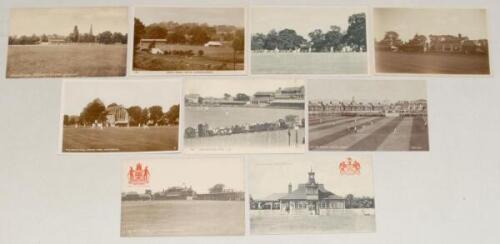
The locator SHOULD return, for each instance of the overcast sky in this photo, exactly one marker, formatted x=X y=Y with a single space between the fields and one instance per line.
x=61 y=21
x=199 y=173
x=211 y=16
x=303 y=20
x=77 y=94
x=268 y=175
x=217 y=87
x=408 y=22
x=392 y=90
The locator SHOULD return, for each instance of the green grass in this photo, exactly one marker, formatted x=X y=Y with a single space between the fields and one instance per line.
x=78 y=60
x=120 y=139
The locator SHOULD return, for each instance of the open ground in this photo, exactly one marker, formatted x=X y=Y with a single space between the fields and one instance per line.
x=160 y=218
x=429 y=63
x=372 y=134
x=68 y=60
x=120 y=139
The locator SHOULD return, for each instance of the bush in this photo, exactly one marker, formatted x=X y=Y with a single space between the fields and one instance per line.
x=201 y=53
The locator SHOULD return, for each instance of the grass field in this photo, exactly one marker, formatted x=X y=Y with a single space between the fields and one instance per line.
x=79 y=60
x=341 y=222
x=120 y=139
x=309 y=63
x=373 y=134
x=392 y=62
x=214 y=58
x=163 y=218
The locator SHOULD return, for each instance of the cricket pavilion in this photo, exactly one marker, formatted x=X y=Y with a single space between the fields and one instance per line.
x=310 y=198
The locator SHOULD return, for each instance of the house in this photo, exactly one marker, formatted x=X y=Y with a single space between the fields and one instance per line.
x=213 y=44
x=117 y=115
x=147 y=44
x=447 y=43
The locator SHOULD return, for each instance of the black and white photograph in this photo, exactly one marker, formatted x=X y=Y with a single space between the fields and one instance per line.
x=120 y=116
x=67 y=42
x=368 y=115
x=311 y=195
x=431 y=41
x=240 y=115
x=308 y=40
x=189 y=39
x=179 y=197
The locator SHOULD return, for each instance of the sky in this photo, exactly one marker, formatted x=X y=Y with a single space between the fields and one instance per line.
x=199 y=173
x=61 y=21
x=268 y=175
x=408 y=22
x=77 y=94
x=392 y=90
x=303 y=20
x=211 y=16
x=217 y=87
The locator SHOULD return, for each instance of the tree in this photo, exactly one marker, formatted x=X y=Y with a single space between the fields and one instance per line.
x=333 y=38
x=135 y=113
x=349 y=200
x=66 y=120
x=239 y=40
x=391 y=39
x=242 y=97
x=318 y=40
x=173 y=115
x=145 y=116
x=155 y=113
x=118 y=37
x=105 y=37
x=92 y=111
x=155 y=32
x=288 y=39
x=355 y=36
x=199 y=35
x=227 y=96
x=258 y=41
x=217 y=188
x=272 y=40
x=75 y=35
x=139 y=30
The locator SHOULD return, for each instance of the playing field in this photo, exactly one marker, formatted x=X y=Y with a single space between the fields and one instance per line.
x=341 y=222
x=118 y=139
x=163 y=218
x=309 y=63
x=371 y=134
x=392 y=62
x=213 y=58
x=70 y=60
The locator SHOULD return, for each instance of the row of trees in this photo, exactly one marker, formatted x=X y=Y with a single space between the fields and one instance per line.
x=319 y=41
x=97 y=111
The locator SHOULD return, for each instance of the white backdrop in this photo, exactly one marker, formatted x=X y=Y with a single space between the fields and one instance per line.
x=448 y=195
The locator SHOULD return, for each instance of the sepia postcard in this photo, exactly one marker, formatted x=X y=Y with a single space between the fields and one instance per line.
x=67 y=42
x=311 y=195
x=179 y=197
x=194 y=40
x=308 y=40
x=241 y=115
x=367 y=115
x=431 y=41
x=120 y=116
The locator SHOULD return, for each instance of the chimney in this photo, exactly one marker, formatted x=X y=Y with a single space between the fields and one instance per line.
x=289 y=187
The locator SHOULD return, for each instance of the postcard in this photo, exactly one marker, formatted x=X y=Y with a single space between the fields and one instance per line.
x=368 y=115
x=189 y=40
x=308 y=40
x=67 y=42
x=188 y=196
x=311 y=195
x=431 y=41
x=120 y=116
x=242 y=115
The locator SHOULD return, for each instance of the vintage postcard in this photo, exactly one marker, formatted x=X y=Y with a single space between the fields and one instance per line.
x=189 y=40
x=67 y=42
x=120 y=116
x=244 y=115
x=368 y=115
x=311 y=195
x=431 y=41
x=189 y=196
x=308 y=40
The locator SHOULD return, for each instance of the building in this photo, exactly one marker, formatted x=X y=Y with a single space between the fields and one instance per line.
x=290 y=93
x=227 y=195
x=117 y=115
x=56 y=40
x=147 y=44
x=447 y=43
x=175 y=193
x=213 y=44
x=262 y=98
x=192 y=98
x=310 y=198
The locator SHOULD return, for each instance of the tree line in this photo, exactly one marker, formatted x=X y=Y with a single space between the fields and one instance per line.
x=319 y=41
x=105 y=37
x=96 y=110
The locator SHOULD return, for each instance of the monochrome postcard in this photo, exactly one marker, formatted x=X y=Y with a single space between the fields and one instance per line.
x=189 y=196
x=368 y=115
x=311 y=195
x=240 y=115
x=67 y=42
x=431 y=41
x=120 y=116
x=308 y=40
x=189 y=40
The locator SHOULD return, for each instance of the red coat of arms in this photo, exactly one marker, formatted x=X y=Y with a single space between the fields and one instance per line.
x=350 y=167
x=139 y=175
